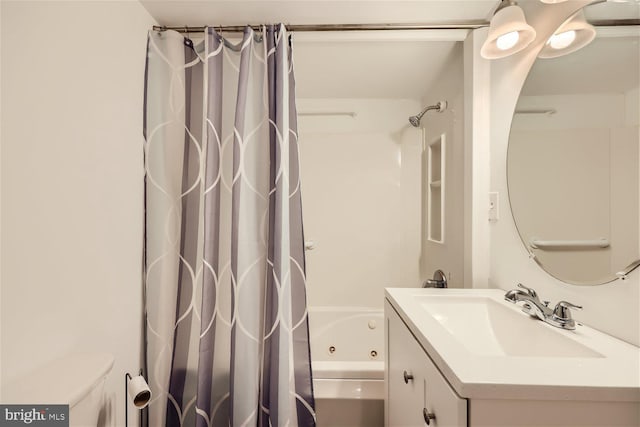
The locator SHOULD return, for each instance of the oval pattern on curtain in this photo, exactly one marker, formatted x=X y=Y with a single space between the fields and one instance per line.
x=226 y=316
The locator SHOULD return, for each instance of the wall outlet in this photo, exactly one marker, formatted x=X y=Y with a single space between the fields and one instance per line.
x=493 y=206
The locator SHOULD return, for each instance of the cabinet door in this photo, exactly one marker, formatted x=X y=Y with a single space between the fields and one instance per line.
x=441 y=401
x=405 y=399
x=428 y=391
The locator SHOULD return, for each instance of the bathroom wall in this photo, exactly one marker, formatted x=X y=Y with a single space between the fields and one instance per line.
x=72 y=185
x=613 y=307
x=447 y=255
x=477 y=142
x=361 y=184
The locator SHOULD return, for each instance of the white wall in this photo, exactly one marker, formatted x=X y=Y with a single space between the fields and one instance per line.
x=477 y=91
x=612 y=308
x=448 y=255
x=360 y=199
x=72 y=185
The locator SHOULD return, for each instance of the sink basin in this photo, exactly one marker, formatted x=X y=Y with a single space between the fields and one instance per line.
x=489 y=328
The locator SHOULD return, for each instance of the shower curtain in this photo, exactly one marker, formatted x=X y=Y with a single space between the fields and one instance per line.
x=226 y=319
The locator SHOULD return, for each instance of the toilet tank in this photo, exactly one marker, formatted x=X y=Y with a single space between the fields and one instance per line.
x=76 y=380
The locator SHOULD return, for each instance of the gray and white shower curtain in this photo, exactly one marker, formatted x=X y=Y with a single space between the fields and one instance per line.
x=226 y=320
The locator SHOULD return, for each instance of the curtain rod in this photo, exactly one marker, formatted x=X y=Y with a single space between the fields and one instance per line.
x=631 y=22
x=373 y=27
x=331 y=27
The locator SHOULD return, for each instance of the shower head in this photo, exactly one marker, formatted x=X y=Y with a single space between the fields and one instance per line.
x=439 y=107
x=415 y=121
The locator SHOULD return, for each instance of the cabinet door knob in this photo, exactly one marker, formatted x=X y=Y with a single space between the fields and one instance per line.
x=428 y=416
x=407 y=377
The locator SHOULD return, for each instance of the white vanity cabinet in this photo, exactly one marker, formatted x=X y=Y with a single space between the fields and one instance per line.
x=415 y=389
x=474 y=360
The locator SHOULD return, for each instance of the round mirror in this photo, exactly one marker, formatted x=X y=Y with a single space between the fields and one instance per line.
x=574 y=151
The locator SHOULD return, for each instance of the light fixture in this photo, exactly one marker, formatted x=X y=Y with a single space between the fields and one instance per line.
x=138 y=390
x=574 y=34
x=508 y=32
x=552 y=1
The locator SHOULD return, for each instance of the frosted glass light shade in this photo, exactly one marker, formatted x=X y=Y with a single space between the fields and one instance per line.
x=562 y=40
x=503 y=25
x=583 y=34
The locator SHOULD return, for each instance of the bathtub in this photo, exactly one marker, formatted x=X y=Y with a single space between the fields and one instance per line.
x=347 y=360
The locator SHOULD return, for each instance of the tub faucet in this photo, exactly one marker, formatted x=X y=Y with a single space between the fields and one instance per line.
x=439 y=280
x=559 y=317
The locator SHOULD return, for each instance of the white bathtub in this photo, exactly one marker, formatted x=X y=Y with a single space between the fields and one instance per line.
x=347 y=359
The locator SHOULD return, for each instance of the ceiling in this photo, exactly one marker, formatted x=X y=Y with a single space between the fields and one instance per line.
x=240 y=12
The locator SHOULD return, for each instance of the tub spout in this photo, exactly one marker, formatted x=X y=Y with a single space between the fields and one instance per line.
x=439 y=280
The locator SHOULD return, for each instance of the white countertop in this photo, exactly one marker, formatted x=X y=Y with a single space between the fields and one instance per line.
x=613 y=376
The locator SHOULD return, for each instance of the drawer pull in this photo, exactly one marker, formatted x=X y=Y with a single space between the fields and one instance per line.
x=407 y=377
x=428 y=416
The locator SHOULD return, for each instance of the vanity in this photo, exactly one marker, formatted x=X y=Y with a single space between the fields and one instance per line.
x=467 y=357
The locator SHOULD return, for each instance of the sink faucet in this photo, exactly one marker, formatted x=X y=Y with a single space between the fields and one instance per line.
x=532 y=304
x=515 y=295
x=559 y=317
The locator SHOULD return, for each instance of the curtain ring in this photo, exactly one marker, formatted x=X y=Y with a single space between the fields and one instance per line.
x=261 y=33
x=187 y=41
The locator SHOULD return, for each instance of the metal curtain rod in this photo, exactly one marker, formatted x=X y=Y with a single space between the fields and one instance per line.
x=373 y=27
x=614 y=22
x=332 y=27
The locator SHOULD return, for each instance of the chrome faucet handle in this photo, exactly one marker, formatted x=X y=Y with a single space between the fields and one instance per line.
x=561 y=311
x=532 y=293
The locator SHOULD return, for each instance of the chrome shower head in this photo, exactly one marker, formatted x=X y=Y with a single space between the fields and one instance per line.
x=439 y=107
x=415 y=121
